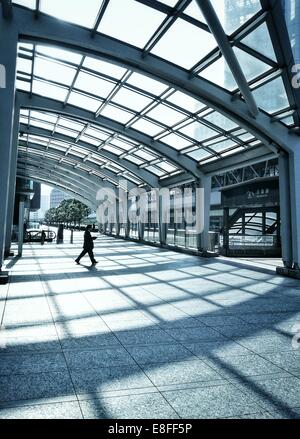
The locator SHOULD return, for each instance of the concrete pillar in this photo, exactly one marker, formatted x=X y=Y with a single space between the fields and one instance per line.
x=8 y=57
x=21 y=227
x=285 y=211
x=203 y=238
x=294 y=179
x=12 y=179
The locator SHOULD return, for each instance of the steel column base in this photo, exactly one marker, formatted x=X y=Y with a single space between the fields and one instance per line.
x=3 y=277
x=289 y=272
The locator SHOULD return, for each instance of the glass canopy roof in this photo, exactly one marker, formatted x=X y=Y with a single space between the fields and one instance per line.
x=175 y=31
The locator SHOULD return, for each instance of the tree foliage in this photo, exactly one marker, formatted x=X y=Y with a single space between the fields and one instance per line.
x=68 y=212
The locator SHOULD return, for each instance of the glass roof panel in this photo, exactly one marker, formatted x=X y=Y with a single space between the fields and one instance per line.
x=53 y=71
x=112 y=149
x=155 y=170
x=171 y=3
x=130 y=99
x=272 y=96
x=49 y=90
x=134 y=159
x=179 y=43
x=194 y=11
x=199 y=154
x=221 y=121
x=67 y=123
x=148 y=84
x=252 y=67
x=44 y=125
x=175 y=141
x=43 y=116
x=116 y=113
x=24 y=65
x=79 y=12
x=97 y=134
x=94 y=85
x=262 y=35
x=147 y=127
x=146 y=155
x=28 y=3
x=222 y=146
x=66 y=132
x=186 y=102
x=62 y=55
x=232 y=14
x=220 y=74
x=165 y=115
x=104 y=67
x=130 y=21
x=91 y=140
x=22 y=85
x=83 y=101
x=198 y=131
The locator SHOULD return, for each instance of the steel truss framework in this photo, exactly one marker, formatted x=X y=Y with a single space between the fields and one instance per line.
x=103 y=102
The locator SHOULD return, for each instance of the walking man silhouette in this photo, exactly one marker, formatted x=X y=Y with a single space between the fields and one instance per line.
x=88 y=246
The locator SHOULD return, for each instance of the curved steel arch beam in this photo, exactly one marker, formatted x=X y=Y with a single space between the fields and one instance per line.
x=48 y=30
x=76 y=186
x=65 y=173
x=52 y=106
x=56 y=184
x=66 y=167
x=76 y=159
x=24 y=164
x=149 y=178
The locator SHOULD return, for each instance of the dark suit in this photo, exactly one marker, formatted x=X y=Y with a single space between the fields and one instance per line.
x=88 y=245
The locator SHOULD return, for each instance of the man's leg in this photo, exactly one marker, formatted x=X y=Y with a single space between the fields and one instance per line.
x=81 y=255
x=92 y=257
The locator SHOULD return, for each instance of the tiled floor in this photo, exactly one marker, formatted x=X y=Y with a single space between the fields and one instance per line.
x=146 y=333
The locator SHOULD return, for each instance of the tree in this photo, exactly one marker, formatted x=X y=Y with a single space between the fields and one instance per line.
x=68 y=212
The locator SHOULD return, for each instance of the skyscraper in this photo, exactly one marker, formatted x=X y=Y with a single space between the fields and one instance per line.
x=56 y=197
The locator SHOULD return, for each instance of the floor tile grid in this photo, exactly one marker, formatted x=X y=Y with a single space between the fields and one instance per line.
x=67 y=366
x=208 y=364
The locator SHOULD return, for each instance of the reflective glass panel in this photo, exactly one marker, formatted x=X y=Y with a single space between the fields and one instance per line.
x=179 y=42
x=272 y=96
x=165 y=115
x=49 y=90
x=130 y=21
x=106 y=68
x=79 y=12
x=54 y=71
x=94 y=85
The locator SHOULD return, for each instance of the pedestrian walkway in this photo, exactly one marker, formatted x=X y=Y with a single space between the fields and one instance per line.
x=146 y=333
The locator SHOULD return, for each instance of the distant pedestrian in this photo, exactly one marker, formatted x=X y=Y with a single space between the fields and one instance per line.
x=43 y=237
x=88 y=246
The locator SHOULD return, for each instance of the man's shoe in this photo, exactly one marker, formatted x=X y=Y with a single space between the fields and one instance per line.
x=95 y=262
x=77 y=262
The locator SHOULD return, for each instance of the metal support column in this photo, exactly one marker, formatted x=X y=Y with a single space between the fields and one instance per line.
x=127 y=222
x=117 y=221
x=8 y=50
x=203 y=237
x=226 y=232
x=162 y=226
x=12 y=179
x=21 y=227
x=294 y=180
